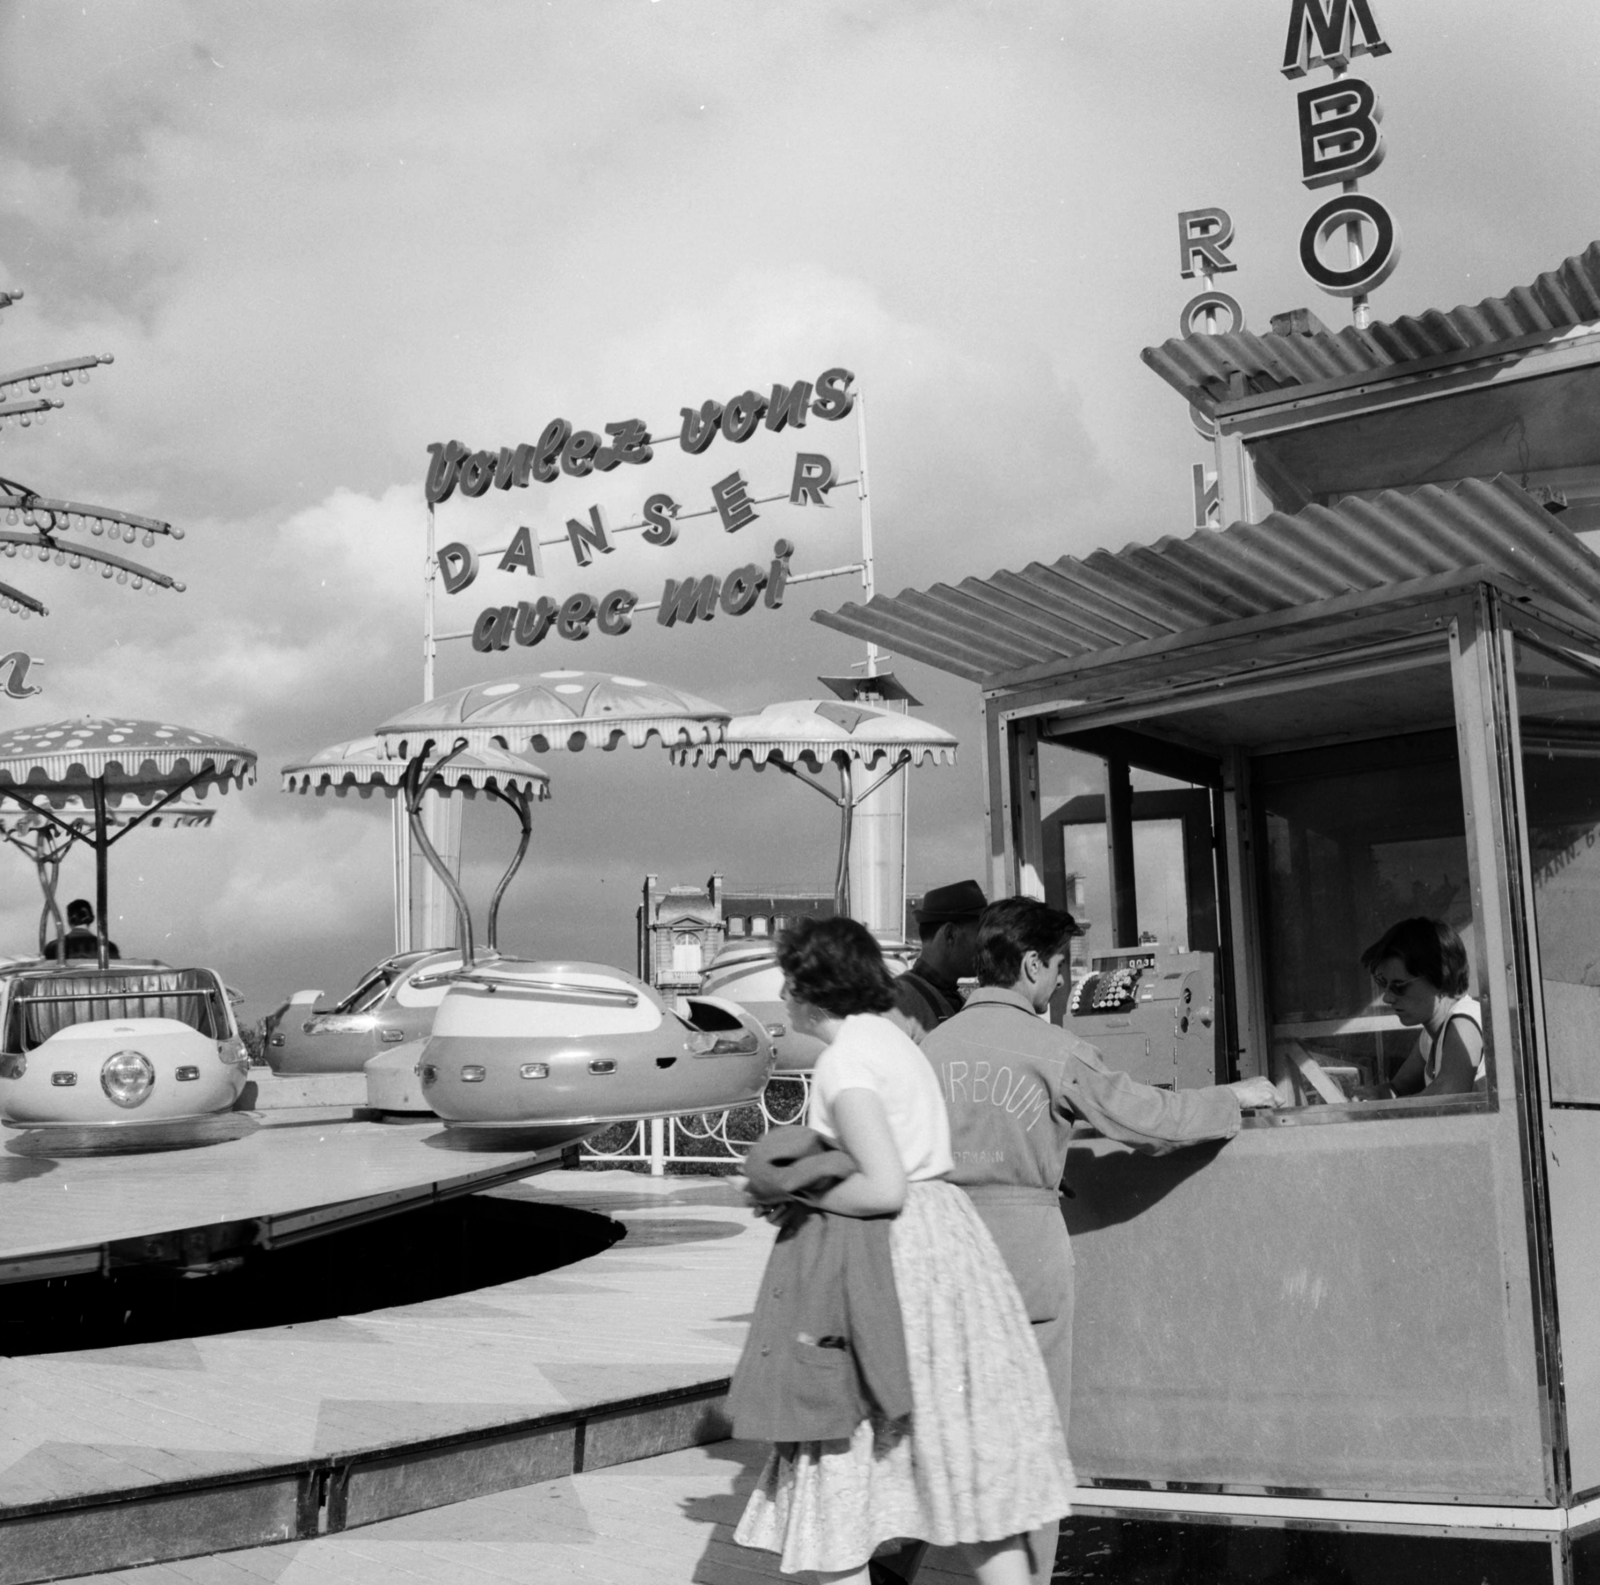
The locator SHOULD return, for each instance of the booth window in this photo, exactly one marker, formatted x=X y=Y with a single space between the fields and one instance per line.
x=1558 y=703
x=1353 y=839
x=1130 y=850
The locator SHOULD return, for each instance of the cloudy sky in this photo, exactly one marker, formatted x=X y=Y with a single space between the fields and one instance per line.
x=317 y=237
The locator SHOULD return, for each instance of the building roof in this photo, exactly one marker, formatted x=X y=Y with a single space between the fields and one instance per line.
x=1140 y=599
x=1301 y=351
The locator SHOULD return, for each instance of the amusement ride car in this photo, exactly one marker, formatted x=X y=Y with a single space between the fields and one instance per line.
x=549 y=1047
x=136 y=1047
x=385 y=1009
x=123 y=1049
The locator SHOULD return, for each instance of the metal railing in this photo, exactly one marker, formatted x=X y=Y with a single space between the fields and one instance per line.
x=708 y=1139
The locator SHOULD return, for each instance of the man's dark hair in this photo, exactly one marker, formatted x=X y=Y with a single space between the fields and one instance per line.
x=836 y=965
x=1430 y=950
x=80 y=912
x=1014 y=927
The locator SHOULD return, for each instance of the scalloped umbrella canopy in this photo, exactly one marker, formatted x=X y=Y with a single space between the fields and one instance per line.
x=558 y=709
x=361 y=766
x=816 y=732
x=63 y=760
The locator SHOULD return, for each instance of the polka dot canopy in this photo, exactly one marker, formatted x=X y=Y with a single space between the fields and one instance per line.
x=63 y=759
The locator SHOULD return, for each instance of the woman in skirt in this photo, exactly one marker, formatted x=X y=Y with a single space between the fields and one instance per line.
x=984 y=1461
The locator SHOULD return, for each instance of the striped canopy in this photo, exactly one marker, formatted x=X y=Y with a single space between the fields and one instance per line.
x=63 y=760
x=361 y=766
x=557 y=709
x=816 y=732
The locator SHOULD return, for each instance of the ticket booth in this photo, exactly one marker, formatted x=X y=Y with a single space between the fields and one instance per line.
x=1382 y=683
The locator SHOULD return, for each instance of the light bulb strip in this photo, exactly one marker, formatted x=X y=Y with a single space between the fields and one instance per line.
x=26 y=501
x=89 y=553
x=34 y=404
x=16 y=597
x=45 y=371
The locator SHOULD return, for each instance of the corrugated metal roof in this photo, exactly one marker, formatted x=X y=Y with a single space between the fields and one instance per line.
x=1207 y=370
x=986 y=628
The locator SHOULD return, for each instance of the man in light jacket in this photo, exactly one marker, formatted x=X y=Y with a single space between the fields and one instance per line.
x=1010 y=1138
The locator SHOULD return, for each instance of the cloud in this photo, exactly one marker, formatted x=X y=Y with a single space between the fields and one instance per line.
x=317 y=237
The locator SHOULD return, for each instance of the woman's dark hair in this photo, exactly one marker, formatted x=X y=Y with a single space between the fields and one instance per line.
x=1010 y=929
x=836 y=965
x=1430 y=950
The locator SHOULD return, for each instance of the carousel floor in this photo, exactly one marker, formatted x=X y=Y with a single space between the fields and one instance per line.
x=293 y=1172
x=116 y=1457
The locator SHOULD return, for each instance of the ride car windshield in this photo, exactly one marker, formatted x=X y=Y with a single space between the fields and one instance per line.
x=40 y=1005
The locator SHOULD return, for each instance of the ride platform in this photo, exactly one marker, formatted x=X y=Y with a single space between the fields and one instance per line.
x=263 y=1180
x=115 y=1457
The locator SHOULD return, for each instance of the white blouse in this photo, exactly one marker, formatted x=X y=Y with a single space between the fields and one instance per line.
x=872 y=1053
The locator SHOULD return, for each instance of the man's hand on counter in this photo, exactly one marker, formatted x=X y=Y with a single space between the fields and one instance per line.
x=1257 y=1093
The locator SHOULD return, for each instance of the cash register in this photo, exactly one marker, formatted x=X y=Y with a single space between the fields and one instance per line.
x=1150 y=1014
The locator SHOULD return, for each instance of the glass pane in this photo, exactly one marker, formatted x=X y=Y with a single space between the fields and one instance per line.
x=1356 y=838
x=363 y=996
x=1078 y=872
x=1558 y=701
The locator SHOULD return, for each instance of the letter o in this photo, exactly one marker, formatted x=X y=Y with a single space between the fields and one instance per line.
x=477 y=473
x=1214 y=302
x=1373 y=271
x=742 y=414
x=743 y=588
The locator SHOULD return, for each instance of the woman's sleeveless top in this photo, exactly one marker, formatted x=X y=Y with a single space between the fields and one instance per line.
x=1432 y=1050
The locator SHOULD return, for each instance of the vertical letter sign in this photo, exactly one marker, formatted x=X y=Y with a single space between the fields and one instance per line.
x=1340 y=141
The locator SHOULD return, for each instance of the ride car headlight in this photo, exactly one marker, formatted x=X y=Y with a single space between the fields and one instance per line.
x=127 y=1077
x=473 y=1073
x=535 y=1070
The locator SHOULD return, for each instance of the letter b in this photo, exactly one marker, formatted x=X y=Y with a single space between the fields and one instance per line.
x=1339 y=136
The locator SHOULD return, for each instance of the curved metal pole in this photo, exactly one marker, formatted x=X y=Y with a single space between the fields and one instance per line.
x=102 y=847
x=847 y=811
x=415 y=785
x=48 y=861
x=522 y=801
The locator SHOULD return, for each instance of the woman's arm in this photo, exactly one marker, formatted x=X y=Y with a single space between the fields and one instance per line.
x=1406 y=1081
x=1458 y=1059
x=878 y=1186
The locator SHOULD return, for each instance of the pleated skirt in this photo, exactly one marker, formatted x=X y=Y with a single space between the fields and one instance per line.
x=984 y=1458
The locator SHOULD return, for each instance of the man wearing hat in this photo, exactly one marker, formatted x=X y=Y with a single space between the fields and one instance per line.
x=926 y=994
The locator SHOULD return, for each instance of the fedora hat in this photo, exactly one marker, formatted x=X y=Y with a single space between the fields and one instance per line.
x=952 y=904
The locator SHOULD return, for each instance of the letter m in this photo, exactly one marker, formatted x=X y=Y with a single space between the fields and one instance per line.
x=1329 y=33
x=689 y=601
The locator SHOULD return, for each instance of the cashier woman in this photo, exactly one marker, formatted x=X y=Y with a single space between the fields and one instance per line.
x=1420 y=969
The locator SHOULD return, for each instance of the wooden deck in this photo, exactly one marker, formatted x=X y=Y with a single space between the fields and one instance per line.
x=666 y=1520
